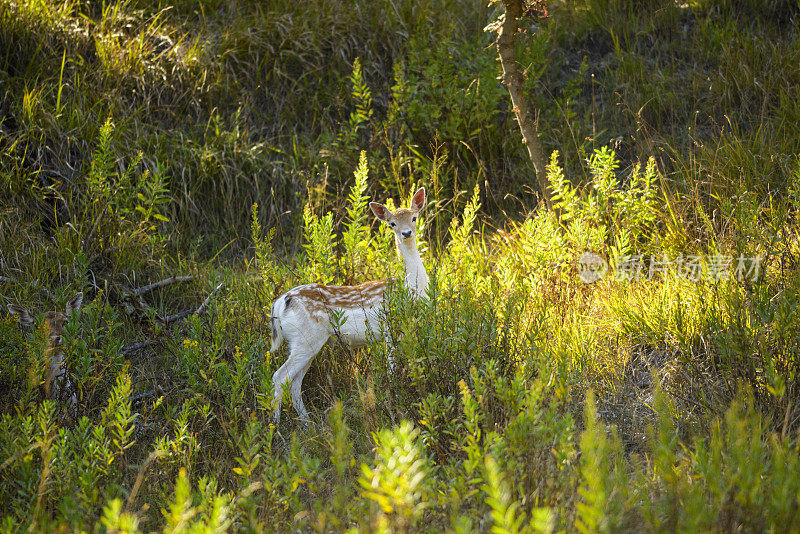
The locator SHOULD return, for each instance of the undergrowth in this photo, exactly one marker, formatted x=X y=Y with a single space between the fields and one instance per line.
x=627 y=361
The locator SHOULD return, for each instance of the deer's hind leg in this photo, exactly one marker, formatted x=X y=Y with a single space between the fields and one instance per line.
x=302 y=350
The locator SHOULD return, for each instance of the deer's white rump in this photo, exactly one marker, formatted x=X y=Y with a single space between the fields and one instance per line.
x=302 y=316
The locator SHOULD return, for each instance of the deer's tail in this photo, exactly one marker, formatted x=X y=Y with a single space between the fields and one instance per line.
x=277 y=330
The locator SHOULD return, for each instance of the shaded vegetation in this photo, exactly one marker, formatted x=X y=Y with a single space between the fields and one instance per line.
x=140 y=140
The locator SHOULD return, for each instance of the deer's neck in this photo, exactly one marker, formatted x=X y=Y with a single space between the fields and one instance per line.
x=416 y=278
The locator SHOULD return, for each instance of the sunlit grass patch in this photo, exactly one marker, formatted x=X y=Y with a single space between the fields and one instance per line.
x=536 y=387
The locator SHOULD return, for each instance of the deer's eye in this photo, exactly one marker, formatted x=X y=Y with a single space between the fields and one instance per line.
x=413 y=219
x=392 y=224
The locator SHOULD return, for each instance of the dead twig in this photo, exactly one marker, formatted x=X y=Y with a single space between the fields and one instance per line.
x=206 y=302
x=186 y=313
x=155 y=455
x=161 y=283
x=176 y=317
x=138 y=346
x=157 y=391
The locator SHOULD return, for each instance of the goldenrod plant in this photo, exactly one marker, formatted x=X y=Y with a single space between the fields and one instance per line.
x=624 y=361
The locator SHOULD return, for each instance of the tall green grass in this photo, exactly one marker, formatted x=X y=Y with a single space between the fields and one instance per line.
x=523 y=398
x=239 y=142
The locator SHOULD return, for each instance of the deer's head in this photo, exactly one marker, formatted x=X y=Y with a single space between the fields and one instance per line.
x=403 y=220
x=54 y=321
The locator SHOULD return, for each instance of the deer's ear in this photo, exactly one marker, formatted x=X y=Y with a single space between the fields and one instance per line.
x=380 y=211
x=74 y=303
x=418 y=201
x=23 y=316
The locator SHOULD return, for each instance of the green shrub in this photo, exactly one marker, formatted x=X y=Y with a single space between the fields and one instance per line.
x=133 y=138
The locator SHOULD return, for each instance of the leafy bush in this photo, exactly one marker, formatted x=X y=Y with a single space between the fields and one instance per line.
x=133 y=139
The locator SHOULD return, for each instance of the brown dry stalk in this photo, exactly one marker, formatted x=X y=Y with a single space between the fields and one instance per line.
x=155 y=455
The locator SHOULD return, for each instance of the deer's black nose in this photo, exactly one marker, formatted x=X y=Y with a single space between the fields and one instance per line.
x=407 y=234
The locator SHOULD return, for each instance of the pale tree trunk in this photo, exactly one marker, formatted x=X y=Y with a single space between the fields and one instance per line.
x=513 y=80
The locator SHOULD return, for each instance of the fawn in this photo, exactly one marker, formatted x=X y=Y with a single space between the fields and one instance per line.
x=302 y=315
x=57 y=385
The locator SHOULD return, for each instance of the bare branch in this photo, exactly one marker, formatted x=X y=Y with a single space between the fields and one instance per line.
x=138 y=346
x=206 y=302
x=176 y=317
x=186 y=313
x=159 y=390
x=147 y=394
x=161 y=283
